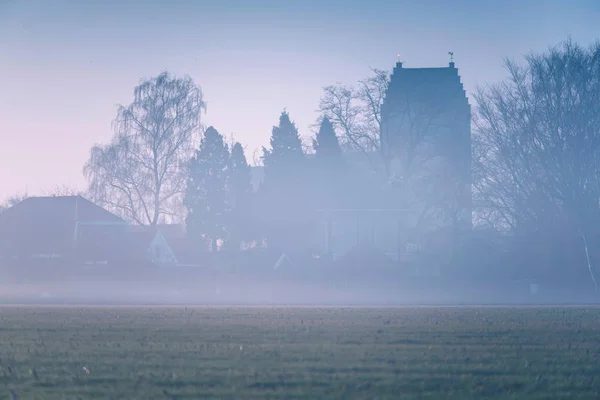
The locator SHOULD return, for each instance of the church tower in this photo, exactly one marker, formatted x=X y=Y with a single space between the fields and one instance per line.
x=426 y=143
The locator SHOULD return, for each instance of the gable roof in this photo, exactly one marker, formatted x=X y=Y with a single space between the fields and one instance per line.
x=47 y=224
x=72 y=208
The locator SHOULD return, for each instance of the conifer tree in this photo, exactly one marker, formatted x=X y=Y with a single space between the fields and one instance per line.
x=284 y=161
x=326 y=144
x=240 y=192
x=284 y=191
x=207 y=195
x=328 y=172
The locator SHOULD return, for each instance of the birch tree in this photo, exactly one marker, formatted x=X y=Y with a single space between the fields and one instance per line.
x=141 y=174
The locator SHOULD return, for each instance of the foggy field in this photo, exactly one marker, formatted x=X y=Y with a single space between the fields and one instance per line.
x=301 y=353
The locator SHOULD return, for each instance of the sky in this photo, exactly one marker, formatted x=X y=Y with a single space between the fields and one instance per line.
x=66 y=64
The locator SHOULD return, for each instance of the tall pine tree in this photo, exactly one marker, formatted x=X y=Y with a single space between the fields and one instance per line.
x=240 y=192
x=328 y=168
x=207 y=196
x=283 y=193
x=284 y=161
x=326 y=144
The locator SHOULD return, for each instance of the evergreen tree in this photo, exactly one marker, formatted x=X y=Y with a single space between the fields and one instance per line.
x=285 y=159
x=207 y=196
x=240 y=191
x=326 y=144
x=328 y=167
x=283 y=193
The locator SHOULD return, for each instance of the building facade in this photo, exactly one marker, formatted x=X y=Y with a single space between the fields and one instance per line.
x=426 y=146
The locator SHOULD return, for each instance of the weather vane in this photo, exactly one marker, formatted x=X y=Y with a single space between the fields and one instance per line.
x=451 y=53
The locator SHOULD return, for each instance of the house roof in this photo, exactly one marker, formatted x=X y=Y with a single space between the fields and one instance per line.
x=47 y=224
x=65 y=208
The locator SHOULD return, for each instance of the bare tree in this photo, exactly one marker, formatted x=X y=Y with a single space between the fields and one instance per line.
x=141 y=174
x=257 y=160
x=403 y=142
x=537 y=153
x=355 y=112
x=65 y=190
x=13 y=201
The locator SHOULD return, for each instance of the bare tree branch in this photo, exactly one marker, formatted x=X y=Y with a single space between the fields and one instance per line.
x=537 y=140
x=13 y=200
x=141 y=174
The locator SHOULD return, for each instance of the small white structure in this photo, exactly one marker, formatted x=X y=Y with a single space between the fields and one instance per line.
x=284 y=259
x=159 y=251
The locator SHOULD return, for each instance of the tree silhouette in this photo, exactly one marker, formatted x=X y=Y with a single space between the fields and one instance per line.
x=537 y=153
x=139 y=175
x=240 y=192
x=326 y=143
x=283 y=192
x=356 y=111
x=207 y=196
x=328 y=168
x=284 y=161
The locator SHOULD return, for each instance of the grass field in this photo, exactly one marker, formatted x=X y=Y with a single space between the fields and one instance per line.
x=299 y=353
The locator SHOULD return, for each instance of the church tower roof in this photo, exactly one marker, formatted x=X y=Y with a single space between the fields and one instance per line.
x=426 y=84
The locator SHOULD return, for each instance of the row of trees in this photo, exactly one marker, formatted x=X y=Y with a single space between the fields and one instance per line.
x=218 y=196
x=296 y=185
x=535 y=153
x=155 y=169
x=535 y=161
x=158 y=169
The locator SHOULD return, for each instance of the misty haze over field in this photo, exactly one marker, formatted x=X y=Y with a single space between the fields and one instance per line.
x=339 y=199
x=354 y=153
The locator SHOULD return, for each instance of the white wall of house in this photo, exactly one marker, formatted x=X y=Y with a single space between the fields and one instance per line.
x=160 y=253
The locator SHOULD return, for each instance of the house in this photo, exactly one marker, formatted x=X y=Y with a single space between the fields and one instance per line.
x=48 y=227
x=72 y=229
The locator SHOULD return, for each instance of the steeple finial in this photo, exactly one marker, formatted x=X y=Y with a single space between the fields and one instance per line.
x=399 y=62
x=451 y=53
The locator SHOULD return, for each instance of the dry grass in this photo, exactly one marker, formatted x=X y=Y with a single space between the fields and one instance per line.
x=301 y=353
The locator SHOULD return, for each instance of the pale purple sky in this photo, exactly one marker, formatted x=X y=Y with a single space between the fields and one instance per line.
x=65 y=64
